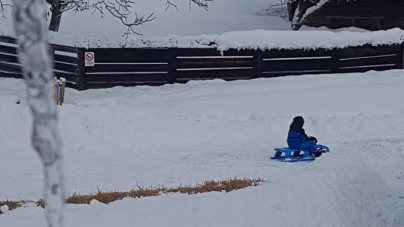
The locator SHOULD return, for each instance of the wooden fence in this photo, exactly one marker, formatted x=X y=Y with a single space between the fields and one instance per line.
x=108 y=67
x=66 y=62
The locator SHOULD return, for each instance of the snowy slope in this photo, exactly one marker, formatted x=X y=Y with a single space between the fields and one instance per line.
x=222 y=16
x=119 y=138
x=230 y=23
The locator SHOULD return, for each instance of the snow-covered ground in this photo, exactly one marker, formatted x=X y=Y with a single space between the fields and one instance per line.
x=227 y=23
x=119 y=138
x=222 y=16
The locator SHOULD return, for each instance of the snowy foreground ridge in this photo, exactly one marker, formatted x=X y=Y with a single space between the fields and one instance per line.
x=254 y=39
x=118 y=138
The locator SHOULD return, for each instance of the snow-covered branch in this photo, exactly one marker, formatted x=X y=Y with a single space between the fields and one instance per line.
x=34 y=53
x=306 y=8
x=120 y=9
x=200 y=3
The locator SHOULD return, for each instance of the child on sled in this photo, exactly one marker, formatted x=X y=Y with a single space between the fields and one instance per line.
x=297 y=138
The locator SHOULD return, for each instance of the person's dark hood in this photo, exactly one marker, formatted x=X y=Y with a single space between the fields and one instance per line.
x=297 y=123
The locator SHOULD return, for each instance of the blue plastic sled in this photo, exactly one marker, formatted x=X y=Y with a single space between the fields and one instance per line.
x=293 y=155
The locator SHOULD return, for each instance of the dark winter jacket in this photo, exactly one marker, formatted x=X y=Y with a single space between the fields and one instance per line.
x=297 y=135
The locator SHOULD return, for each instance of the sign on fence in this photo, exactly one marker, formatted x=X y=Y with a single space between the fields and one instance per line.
x=89 y=58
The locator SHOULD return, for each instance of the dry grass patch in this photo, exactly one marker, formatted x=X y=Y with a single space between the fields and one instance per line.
x=215 y=186
x=12 y=204
x=108 y=197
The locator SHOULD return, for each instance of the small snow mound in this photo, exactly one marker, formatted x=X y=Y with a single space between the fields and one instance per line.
x=95 y=202
x=4 y=209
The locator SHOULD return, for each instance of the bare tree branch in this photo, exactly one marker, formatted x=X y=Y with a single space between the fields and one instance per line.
x=280 y=8
x=120 y=9
x=35 y=56
x=3 y=7
x=200 y=3
x=169 y=3
x=278 y=4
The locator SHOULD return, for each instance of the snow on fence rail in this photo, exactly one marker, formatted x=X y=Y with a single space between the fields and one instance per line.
x=86 y=68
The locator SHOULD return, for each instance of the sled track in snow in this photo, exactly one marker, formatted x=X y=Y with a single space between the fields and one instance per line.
x=362 y=197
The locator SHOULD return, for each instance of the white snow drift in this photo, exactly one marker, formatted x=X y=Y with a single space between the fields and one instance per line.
x=119 y=138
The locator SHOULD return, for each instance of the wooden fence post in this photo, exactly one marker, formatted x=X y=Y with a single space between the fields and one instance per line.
x=400 y=60
x=257 y=64
x=335 y=60
x=62 y=91
x=172 y=66
x=60 y=86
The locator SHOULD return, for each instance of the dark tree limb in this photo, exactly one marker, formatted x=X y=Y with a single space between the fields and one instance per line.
x=169 y=3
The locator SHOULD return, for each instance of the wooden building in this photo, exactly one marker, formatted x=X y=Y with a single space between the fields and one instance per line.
x=368 y=14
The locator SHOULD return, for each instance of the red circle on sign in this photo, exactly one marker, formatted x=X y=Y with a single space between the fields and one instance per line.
x=89 y=56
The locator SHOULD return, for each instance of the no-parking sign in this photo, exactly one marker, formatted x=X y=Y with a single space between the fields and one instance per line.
x=89 y=59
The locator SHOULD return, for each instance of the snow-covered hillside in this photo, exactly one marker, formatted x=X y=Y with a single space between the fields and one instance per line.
x=119 y=138
x=222 y=16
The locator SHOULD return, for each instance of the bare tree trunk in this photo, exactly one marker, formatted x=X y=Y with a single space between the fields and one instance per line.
x=35 y=55
x=291 y=7
x=298 y=19
x=305 y=8
x=56 y=19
